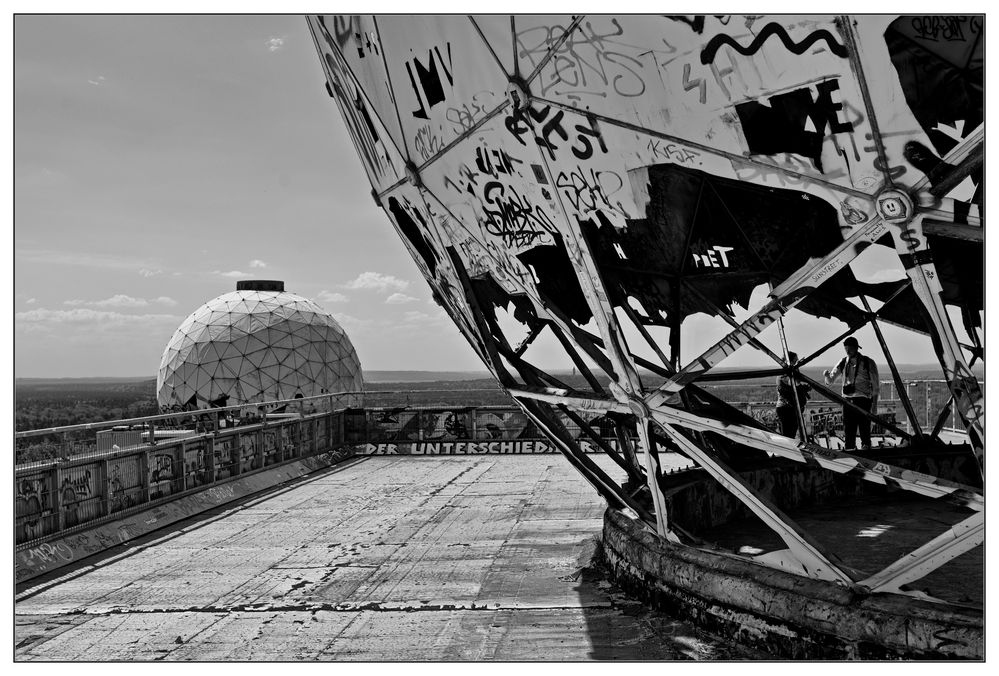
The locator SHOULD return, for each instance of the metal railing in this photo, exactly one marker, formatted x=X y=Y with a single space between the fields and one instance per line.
x=128 y=464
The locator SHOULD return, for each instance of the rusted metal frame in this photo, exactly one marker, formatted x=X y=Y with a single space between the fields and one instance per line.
x=528 y=339
x=954 y=230
x=513 y=45
x=911 y=243
x=569 y=398
x=962 y=150
x=675 y=334
x=652 y=476
x=536 y=377
x=591 y=283
x=832 y=460
x=896 y=376
x=955 y=541
x=581 y=338
x=942 y=419
x=489 y=47
x=742 y=375
x=391 y=90
x=604 y=485
x=360 y=90
x=973 y=161
x=716 y=152
x=850 y=42
x=584 y=427
x=584 y=370
x=667 y=372
x=332 y=82
x=808 y=552
x=792 y=374
x=873 y=417
x=624 y=443
x=636 y=320
x=785 y=296
x=485 y=335
x=734 y=324
x=542 y=305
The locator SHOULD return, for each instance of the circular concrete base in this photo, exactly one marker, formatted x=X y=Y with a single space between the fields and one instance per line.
x=787 y=614
x=784 y=614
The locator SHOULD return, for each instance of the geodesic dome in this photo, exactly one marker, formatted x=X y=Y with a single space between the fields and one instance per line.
x=258 y=343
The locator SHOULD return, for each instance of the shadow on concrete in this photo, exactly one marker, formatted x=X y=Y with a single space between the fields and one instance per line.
x=631 y=630
x=125 y=550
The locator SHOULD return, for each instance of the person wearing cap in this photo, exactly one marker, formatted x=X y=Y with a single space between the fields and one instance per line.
x=787 y=417
x=860 y=388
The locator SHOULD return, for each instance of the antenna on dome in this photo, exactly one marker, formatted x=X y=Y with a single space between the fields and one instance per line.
x=259 y=285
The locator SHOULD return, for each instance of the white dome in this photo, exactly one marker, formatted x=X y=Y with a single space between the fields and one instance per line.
x=255 y=346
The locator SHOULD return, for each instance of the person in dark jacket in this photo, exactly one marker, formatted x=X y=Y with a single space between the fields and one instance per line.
x=787 y=416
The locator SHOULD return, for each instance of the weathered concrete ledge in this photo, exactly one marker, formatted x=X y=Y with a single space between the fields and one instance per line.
x=784 y=614
x=60 y=551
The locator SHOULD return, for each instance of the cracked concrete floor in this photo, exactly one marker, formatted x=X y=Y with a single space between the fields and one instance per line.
x=381 y=558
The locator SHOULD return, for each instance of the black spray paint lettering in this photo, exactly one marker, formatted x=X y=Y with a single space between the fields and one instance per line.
x=946 y=28
x=587 y=60
x=518 y=125
x=494 y=162
x=512 y=218
x=588 y=192
x=463 y=116
x=431 y=85
x=782 y=126
x=426 y=143
x=672 y=152
x=710 y=49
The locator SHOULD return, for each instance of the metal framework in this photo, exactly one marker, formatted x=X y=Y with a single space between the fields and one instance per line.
x=632 y=167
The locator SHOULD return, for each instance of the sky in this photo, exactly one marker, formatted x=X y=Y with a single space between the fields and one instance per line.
x=159 y=159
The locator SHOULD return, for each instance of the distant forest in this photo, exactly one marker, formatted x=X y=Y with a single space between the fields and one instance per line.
x=43 y=403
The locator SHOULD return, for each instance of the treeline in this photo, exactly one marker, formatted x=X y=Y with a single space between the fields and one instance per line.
x=40 y=406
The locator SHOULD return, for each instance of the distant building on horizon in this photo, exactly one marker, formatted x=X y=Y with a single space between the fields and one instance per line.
x=256 y=344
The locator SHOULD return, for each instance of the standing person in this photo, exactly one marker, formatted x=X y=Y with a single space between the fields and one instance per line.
x=860 y=387
x=787 y=416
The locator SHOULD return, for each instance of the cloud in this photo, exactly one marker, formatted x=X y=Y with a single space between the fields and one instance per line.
x=332 y=297
x=120 y=300
x=376 y=281
x=145 y=267
x=43 y=320
x=274 y=44
x=400 y=298
x=351 y=323
x=232 y=274
x=257 y=263
x=99 y=81
x=31 y=301
x=415 y=316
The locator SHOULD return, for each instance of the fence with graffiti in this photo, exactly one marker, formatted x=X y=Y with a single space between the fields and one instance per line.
x=57 y=496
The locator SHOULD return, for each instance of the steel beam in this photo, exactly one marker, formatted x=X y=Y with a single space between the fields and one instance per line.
x=961 y=538
x=813 y=560
x=834 y=461
x=903 y=395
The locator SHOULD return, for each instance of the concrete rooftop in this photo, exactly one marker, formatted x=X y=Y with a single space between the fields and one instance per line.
x=381 y=558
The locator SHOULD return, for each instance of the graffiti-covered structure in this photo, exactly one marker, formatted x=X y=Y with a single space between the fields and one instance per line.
x=595 y=182
x=258 y=343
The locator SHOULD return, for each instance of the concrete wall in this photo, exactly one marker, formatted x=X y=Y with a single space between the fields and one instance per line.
x=64 y=550
x=786 y=615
